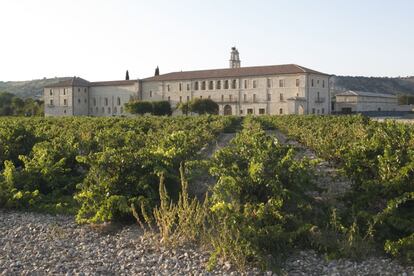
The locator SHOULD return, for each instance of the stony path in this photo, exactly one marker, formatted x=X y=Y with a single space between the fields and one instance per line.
x=39 y=244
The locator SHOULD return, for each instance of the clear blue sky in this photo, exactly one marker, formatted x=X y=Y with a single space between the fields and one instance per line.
x=100 y=39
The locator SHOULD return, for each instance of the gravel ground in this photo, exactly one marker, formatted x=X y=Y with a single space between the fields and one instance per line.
x=39 y=244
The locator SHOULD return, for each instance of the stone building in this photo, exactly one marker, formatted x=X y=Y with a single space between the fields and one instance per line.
x=275 y=89
x=360 y=102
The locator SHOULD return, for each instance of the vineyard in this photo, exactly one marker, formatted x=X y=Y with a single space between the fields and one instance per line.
x=264 y=203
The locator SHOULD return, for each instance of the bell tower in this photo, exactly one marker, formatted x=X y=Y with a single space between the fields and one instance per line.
x=234 y=58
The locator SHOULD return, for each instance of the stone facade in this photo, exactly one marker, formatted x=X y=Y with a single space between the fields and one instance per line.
x=276 y=90
x=358 y=101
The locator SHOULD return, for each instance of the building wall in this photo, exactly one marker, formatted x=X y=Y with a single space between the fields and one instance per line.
x=110 y=100
x=80 y=98
x=273 y=94
x=58 y=101
x=363 y=104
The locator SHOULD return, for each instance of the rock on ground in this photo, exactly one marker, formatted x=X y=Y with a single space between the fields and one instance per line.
x=39 y=244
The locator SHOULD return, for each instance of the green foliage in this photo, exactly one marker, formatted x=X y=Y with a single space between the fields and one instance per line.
x=13 y=105
x=108 y=164
x=200 y=106
x=259 y=203
x=158 y=108
x=379 y=159
x=138 y=107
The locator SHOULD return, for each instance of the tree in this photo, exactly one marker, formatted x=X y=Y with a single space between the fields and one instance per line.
x=127 y=75
x=155 y=108
x=157 y=71
x=204 y=106
x=161 y=108
x=200 y=106
x=138 y=107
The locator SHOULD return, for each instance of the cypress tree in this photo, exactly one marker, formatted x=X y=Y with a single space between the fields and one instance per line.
x=127 y=75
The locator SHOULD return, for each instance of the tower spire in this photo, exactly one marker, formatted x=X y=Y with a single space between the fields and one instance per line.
x=234 y=58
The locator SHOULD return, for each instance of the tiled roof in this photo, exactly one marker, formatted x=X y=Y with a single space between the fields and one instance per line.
x=108 y=83
x=365 y=94
x=75 y=81
x=235 y=72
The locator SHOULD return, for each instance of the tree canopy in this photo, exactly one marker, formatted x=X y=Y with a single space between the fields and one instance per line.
x=200 y=106
x=12 y=105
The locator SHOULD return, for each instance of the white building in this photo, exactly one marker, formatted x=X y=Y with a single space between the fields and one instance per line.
x=275 y=89
x=359 y=101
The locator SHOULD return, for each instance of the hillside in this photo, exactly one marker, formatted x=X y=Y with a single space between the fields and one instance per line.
x=27 y=89
x=374 y=84
x=34 y=88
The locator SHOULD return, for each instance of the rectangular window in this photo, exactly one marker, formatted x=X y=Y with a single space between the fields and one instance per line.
x=181 y=99
x=244 y=97
x=84 y=90
x=169 y=98
x=241 y=111
x=51 y=102
x=218 y=85
x=196 y=85
x=64 y=91
x=150 y=94
x=233 y=84
x=246 y=84
x=78 y=89
x=211 y=85
x=281 y=83
x=254 y=84
x=250 y=111
x=280 y=111
x=323 y=83
x=313 y=110
x=312 y=82
x=226 y=84
x=269 y=85
x=281 y=97
x=65 y=102
x=254 y=97
x=180 y=86
x=188 y=87
x=106 y=101
x=51 y=92
x=261 y=111
x=323 y=110
x=203 y=85
x=168 y=87
x=297 y=82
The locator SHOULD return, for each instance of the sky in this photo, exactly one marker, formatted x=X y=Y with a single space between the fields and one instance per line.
x=101 y=39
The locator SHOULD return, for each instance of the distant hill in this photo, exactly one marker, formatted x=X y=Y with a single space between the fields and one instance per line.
x=28 y=89
x=373 y=84
x=34 y=88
